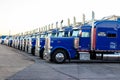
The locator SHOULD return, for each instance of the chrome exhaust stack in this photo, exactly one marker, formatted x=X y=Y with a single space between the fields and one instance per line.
x=52 y=26
x=68 y=22
x=37 y=46
x=61 y=24
x=83 y=21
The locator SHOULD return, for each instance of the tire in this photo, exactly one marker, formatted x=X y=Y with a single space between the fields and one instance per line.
x=41 y=53
x=59 y=56
x=33 y=51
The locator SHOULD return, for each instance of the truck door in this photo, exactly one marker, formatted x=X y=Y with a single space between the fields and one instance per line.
x=85 y=39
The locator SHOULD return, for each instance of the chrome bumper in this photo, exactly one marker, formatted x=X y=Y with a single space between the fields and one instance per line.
x=17 y=46
x=30 y=49
x=25 y=48
x=37 y=50
x=22 y=47
x=46 y=55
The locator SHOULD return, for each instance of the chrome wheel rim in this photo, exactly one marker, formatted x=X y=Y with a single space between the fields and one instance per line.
x=59 y=57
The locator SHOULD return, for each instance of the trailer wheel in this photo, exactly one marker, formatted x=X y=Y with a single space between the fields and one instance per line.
x=59 y=56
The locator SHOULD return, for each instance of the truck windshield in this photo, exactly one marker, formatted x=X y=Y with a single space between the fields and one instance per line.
x=49 y=34
x=75 y=33
x=37 y=36
x=33 y=36
x=61 y=33
x=42 y=35
x=54 y=35
x=85 y=34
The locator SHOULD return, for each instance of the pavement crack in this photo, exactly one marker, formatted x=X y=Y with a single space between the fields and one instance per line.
x=62 y=72
x=78 y=70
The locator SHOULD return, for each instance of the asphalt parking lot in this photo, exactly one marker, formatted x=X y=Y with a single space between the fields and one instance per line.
x=18 y=65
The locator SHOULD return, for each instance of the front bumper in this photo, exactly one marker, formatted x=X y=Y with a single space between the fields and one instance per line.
x=23 y=47
x=46 y=55
x=30 y=49
x=37 y=50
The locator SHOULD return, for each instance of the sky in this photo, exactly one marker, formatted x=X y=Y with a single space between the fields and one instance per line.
x=18 y=16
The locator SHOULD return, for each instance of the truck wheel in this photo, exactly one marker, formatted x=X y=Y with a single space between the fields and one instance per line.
x=41 y=53
x=59 y=56
x=33 y=51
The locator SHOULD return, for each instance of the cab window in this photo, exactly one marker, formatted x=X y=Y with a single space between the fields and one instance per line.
x=60 y=34
x=54 y=35
x=85 y=34
x=111 y=35
x=75 y=33
x=49 y=34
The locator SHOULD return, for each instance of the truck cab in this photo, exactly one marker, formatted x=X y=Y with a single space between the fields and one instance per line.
x=6 y=40
x=98 y=42
x=28 y=37
x=24 y=42
x=18 y=42
x=56 y=43
x=31 y=44
x=13 y=44
x=40 y=41
x=2 y=39
x=10 y=41
x=21 y=42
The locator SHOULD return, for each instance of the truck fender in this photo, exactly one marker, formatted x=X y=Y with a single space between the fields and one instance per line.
x=61 y=47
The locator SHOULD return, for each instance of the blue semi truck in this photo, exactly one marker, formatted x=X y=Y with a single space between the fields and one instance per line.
x=32 y=43
x=41 y=42
x=58 y=32
x=53 y=33
x=39 y=48
x=2 y=39
x=99 y=40
x=29 y=36
x=10 y=41
x=21 y=41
